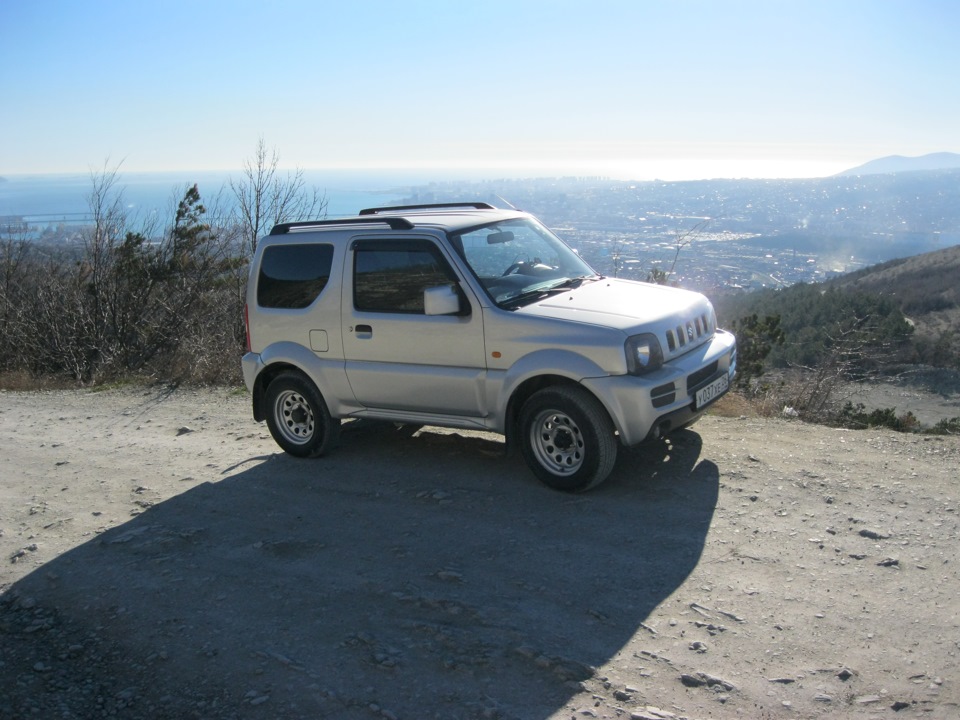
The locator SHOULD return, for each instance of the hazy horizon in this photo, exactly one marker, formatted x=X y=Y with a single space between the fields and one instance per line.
x=684 y=169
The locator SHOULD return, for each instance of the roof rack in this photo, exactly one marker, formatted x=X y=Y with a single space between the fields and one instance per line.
x=394 y=223
x=429 y=206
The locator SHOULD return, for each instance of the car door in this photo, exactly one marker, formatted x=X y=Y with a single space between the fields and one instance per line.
x=398 y=357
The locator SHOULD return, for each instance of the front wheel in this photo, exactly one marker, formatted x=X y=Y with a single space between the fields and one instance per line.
x=298 y=417
x=567 y=438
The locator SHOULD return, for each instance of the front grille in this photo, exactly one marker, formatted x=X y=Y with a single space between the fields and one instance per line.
x=689 y=332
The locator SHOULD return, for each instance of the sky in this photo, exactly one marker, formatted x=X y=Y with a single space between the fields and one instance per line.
x=633 y=89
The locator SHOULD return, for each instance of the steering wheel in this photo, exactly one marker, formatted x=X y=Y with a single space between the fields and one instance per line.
x=514 y=268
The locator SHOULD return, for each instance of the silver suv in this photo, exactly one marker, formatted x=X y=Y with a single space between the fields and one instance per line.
x=469 y=316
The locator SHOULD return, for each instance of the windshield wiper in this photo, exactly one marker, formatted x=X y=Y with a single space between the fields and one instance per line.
x=545 y=290
x=575 y=282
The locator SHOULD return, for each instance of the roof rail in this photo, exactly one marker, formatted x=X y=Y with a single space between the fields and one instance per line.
x=394 y=223
x=429 y=206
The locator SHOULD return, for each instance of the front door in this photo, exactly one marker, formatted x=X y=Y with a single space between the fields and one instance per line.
x=397 y=356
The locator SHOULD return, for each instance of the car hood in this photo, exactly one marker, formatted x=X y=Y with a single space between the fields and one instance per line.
x=625 y=305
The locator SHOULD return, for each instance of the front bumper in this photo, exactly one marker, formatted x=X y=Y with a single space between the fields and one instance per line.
x=646 y=407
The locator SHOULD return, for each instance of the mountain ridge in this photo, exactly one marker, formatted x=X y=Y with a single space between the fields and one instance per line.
x=901 y=163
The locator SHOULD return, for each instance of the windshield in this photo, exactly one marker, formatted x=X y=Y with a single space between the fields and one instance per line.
x=518 y=261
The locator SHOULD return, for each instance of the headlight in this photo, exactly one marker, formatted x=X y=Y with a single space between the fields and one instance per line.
x=643 y=353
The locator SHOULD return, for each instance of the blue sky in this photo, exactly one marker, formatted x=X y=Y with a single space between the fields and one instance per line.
x=638 y=89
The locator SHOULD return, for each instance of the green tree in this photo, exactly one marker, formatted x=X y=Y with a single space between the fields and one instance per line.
x=756 y=337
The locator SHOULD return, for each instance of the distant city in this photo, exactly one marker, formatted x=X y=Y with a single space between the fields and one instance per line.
x=711 y=235
x=735 y=234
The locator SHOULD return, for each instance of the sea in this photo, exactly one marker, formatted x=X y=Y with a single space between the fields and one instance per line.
x=40 y=201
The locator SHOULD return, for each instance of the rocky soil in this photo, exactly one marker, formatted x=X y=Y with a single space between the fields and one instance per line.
x=160 y=558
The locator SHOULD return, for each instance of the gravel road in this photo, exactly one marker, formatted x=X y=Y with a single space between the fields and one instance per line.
x=160 y=558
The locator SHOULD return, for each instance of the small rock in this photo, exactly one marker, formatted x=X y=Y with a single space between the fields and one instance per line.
x=873 y=534
x=700 y=609
x=702 y=678
x=867 y=699
x=658 y=711
x=899 y=705
x=713 y=680
x=889 y=562
x=526 y=651
x=184 y=430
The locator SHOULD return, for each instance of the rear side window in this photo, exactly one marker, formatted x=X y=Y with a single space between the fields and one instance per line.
x=293 y=276
x=391 y=276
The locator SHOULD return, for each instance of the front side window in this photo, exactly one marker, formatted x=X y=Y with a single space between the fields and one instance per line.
x=390 y=276
x=293 y=276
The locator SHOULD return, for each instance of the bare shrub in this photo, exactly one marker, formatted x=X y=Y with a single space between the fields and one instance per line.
x=265 y=197
x=125 y=305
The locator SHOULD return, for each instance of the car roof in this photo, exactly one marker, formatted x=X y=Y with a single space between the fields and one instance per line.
x=449 y=217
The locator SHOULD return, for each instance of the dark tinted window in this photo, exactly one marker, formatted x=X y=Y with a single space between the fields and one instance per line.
x=391 y=277
x=293 y=276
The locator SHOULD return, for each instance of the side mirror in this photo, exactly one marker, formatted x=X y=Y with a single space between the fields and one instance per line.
x=441 y=300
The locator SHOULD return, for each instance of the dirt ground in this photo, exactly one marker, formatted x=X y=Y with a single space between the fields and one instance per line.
x=162 y=559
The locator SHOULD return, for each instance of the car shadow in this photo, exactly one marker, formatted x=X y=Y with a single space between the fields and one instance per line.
x=449 y=584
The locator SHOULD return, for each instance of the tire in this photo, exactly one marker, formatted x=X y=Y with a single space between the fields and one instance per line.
x=298 y=418
x=567 y=438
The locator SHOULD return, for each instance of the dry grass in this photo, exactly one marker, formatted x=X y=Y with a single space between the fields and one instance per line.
x=734 y=404
x=20 y=381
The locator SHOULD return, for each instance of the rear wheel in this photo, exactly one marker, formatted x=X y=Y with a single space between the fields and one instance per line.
x=567 y=438
x=298 y=418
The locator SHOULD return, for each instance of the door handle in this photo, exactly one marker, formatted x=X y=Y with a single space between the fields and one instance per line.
x=363 y=331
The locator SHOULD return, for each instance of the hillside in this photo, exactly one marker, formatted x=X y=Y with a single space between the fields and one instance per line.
x=926 y=286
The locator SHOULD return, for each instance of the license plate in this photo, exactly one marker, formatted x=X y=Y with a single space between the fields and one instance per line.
x=711 y=392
